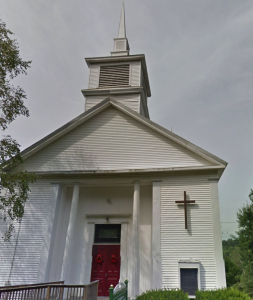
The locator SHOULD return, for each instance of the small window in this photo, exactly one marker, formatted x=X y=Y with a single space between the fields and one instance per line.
x=189 y=280
x=189 y=276
x=107 y=233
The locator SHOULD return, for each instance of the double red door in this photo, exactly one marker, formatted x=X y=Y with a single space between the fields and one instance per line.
x=105 y=267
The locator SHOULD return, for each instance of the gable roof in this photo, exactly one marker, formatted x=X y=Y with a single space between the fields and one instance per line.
x=217 y=162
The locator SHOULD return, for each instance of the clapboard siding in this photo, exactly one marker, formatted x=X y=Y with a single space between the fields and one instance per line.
x=196 y=242
x=94 y=77
x=6 y=252
x=112 y=140
x=27 y=257
x=131 y=100
x=135 y=77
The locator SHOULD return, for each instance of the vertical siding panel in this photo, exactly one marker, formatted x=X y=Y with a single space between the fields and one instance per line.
x=196 y=242
x=135 y=73
x=61 y=233
x=145 y=237
x=27 y=258
x=94 y=77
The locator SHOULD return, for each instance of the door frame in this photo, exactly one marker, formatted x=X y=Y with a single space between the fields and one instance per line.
x=125 y=241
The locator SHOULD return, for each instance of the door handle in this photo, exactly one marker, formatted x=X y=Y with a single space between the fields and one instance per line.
x=105 y=275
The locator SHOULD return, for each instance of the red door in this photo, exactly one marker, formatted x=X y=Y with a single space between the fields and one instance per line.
x=105 y=267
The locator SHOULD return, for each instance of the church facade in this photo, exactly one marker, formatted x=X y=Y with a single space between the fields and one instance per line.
x=119 y=197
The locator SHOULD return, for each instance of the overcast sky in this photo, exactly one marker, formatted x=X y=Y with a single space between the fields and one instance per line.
x=200 y=63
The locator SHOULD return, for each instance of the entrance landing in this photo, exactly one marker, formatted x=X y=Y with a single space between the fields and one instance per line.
x=103 y=298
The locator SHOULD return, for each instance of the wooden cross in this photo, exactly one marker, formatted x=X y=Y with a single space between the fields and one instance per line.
x=185 y=202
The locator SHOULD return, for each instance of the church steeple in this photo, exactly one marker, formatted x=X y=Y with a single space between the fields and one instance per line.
x=122 y=23
x=121 y=46
x=122 y=76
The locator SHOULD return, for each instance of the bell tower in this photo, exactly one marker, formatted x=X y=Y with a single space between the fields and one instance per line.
x=121 y=76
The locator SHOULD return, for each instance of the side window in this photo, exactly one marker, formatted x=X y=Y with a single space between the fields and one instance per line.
x=189 y=276
x=189 y=280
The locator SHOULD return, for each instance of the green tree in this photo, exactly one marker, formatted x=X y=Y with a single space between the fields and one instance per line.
x=233 y=264
x=245 y=237
x=14 y=184
x=233 y=272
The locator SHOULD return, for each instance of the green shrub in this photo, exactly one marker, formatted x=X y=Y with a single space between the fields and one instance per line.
x=222 y=294
x=163 y=294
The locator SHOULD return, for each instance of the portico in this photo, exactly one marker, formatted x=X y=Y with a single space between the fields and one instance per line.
x=80 y=206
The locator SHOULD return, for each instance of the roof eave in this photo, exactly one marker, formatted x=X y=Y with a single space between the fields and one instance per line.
x=203 y=153
x=124 y=171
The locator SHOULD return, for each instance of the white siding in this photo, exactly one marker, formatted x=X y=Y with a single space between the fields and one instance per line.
x=130 y=100
x=178 y=243
x=27 y=258
x=112 y=141
x=93 y=200
x=135 y=77
x=94 y=76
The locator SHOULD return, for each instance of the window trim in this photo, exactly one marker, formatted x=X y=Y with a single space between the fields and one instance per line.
x=189 y=264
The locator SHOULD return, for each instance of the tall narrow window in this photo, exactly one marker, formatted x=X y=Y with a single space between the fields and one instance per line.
x=113 y=76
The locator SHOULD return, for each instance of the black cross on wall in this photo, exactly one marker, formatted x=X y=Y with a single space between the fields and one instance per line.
x=185 y=202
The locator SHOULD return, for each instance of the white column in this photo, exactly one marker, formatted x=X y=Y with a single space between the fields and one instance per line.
x=123 y=252
x=66 y=267
x=89 y=231
x=217 y=239
x=135 y=240
x=156 y=236
x=49 y=235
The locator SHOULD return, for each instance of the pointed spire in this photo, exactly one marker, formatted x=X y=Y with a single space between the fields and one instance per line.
x=121 y=46
x=122 y=24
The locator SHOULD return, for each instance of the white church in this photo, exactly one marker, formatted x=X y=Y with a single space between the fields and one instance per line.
x=118 y=196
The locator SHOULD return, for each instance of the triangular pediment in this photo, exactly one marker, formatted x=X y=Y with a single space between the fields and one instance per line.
x=108 y=138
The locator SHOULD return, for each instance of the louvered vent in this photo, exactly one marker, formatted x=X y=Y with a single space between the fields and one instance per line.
x=114 y=76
